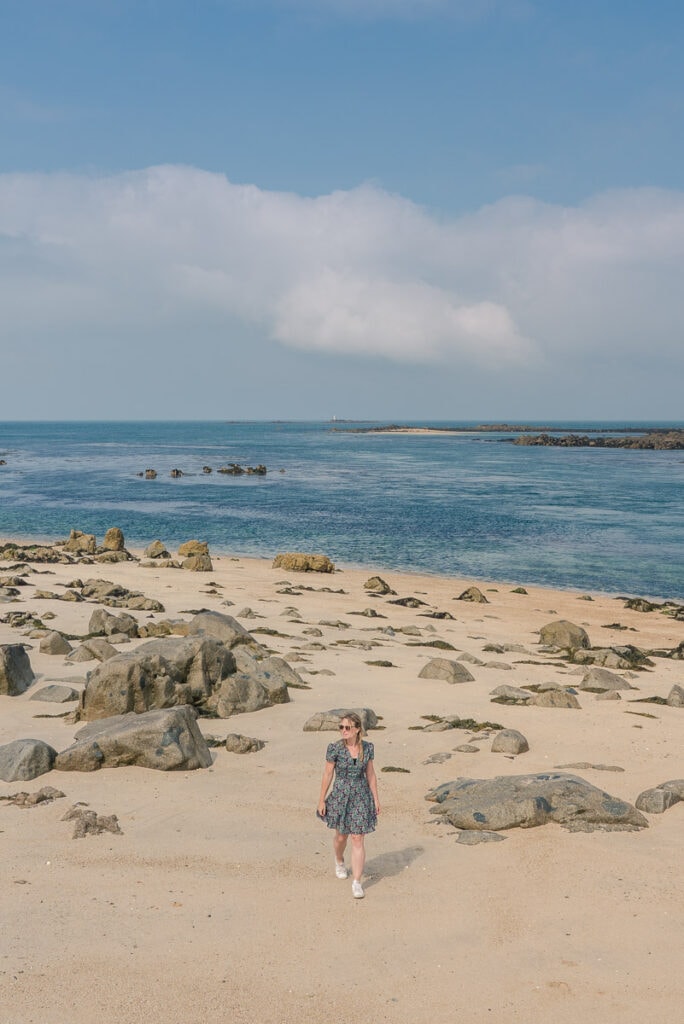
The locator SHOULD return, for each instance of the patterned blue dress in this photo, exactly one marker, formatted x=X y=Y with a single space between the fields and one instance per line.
x=350 y=807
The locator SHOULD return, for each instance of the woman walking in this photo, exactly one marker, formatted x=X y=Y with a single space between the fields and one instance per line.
x=352 y=807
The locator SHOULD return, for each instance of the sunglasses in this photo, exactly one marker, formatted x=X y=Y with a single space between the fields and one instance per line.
x=346 y=728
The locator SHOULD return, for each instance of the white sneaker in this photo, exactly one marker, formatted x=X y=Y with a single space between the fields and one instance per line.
x=340 y=869
x=357 y=890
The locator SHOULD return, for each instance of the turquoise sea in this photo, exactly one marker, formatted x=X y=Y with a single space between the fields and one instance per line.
x=466 y=504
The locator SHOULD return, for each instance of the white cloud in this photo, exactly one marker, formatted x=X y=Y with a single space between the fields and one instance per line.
x=360 y=272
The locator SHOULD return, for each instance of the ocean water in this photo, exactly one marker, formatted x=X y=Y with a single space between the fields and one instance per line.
x=468 y=505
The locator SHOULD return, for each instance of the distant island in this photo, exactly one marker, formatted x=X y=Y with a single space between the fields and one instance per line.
x=641 y=437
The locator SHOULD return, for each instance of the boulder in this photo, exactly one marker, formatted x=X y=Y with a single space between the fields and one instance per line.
x=377 y=585
x=442 y=668
x=506 y=694
x=526 y=801
x=554 y=699
x=113 y=539
x=81 y=543
x=54 y=643
x=675 y=698
x=328 y=721
x=56 y=694
x=167 y=740
x=193 y=547
x=158 y=674
x=240 y=694
x=95 y=649
x=273 y=672
x=623 y=657
x=22 y=760
x=662 y=797
x=294 y=561
x=601 y=679
x=510 y=741
x=237 y=744
x=156 y=550
x=564 y=636
x=222 y=627
x=473 y=594
x=116 y=596
x=103 y=623
x=197 y=563
x=16 y=674
x=113 y=556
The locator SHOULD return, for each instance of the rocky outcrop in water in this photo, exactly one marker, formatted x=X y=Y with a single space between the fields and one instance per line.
x=656 y=440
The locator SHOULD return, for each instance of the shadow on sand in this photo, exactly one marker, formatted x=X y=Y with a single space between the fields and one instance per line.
x=391 y=863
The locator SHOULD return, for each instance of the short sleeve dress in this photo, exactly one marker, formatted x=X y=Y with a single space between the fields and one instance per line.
x=350 y=807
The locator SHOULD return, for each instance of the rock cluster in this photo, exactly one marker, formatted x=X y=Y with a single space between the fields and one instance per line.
x=294 y=561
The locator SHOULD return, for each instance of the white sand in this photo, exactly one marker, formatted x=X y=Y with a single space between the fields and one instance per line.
x=219 y=902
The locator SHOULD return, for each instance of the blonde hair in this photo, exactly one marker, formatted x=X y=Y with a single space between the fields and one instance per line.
x=355 y=719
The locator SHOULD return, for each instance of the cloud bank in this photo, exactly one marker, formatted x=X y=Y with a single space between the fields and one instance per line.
x=356 y=273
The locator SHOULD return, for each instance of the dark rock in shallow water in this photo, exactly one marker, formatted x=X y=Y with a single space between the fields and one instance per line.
x=525 y=801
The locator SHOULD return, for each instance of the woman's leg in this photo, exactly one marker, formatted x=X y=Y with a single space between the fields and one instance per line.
x=339 y=846
x=358 y=857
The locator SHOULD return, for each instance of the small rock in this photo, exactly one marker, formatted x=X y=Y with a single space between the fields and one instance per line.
x=54 y=643
x=474 y=595
x=238 y=744
x=56 y=694
x=442 y=668
x=510 y=741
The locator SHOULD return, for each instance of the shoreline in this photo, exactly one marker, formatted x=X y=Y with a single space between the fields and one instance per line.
x=374 y=569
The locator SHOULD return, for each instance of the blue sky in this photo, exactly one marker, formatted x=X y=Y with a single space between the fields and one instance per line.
x=397 y=208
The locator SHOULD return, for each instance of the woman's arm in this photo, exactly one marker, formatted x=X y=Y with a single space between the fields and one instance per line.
x=373 y=784
x=325 y=785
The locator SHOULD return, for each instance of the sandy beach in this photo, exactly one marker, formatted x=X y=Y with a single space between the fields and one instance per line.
x=219 y=900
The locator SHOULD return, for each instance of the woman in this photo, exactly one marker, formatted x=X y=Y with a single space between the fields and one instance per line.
x=352 y=806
